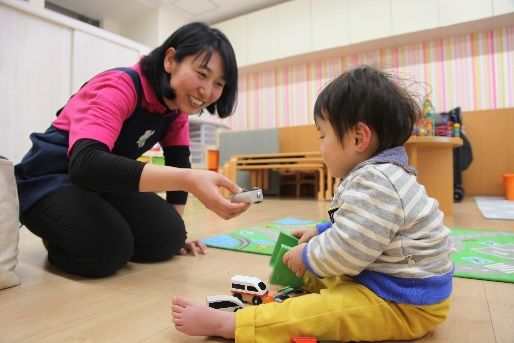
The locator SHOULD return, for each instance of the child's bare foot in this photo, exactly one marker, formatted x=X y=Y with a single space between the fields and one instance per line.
x=195 y=319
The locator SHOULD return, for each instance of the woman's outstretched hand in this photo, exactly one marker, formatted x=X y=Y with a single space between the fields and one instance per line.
x=205 y=185
x=193 y=248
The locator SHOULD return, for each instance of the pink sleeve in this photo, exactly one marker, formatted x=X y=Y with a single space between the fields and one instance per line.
x=98 y=110
x=178 y=133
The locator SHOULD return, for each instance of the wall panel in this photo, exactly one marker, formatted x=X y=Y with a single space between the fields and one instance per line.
x=35 y=65
x=92 y=55
x=44 y=58
x=492 y=142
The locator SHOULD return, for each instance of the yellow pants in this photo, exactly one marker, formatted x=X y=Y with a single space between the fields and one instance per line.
x=338 y=309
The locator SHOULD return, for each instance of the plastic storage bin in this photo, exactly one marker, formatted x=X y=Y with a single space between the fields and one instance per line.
x=204 y=137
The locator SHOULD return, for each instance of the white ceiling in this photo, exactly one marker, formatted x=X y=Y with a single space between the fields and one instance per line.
x=210 y=11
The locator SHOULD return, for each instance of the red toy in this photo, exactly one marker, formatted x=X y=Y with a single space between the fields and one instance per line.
x=303 y=340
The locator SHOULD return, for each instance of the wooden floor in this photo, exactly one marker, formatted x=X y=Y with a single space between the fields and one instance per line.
x=134 y=304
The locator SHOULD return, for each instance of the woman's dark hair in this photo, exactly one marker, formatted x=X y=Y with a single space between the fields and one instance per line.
x=375 y=98
x=195 y=39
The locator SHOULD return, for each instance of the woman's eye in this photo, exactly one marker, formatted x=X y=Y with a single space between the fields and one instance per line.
x=202 y=75
x=220 y=84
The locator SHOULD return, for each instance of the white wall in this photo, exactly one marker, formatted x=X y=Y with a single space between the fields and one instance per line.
x=44 y=57
x=111 y=25
x=153 y=27
x=144 y=29
x=36 y=75
x=92 y=55
x=168 y=23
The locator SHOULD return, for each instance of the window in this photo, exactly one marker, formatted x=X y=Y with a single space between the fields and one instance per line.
x=238 y=286
x=222 y=304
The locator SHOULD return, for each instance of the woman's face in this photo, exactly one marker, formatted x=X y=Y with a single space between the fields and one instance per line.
x=196 y=86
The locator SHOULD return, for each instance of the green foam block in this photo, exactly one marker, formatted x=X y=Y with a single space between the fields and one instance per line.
x=283 y=239
x=281 y=274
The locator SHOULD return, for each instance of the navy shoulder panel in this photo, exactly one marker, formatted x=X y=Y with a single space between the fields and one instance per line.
x=135 y=79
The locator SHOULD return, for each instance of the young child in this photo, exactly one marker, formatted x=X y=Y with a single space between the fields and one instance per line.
x=381 y=269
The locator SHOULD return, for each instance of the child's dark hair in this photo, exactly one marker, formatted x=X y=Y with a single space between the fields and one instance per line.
x=368 y=95
x=195 y=39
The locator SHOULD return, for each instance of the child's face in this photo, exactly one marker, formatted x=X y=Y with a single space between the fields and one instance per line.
x=196 y=86
x=339 y=158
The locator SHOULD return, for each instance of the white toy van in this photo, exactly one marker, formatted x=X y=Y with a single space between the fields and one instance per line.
x=224 y=302
x=249 y=289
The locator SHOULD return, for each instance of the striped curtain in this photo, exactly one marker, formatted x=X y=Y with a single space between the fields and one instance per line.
x=474 y=71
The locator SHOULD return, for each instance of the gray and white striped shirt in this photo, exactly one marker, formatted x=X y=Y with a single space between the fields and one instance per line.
x=385 y=223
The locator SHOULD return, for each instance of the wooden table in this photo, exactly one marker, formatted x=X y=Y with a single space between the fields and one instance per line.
x=432 y=156
x=260 y=164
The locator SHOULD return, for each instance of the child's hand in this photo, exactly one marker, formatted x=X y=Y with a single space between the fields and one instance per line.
x=293 y=259
x=305 y=234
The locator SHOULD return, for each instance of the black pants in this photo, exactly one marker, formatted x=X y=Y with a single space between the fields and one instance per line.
x=94 y=235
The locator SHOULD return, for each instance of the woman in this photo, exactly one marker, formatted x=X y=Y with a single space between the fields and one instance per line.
x=81 y=188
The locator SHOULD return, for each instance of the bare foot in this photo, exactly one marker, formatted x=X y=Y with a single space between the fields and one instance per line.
x=195 y=319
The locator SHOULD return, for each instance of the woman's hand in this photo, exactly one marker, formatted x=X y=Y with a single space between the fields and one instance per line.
x=205 y=185
x=305 y=234
x=293 y=259
x=194 y=248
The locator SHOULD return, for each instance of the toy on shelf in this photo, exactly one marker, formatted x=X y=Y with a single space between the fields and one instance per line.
x=249 y=289
x=456 y=130
x=444 y=124
x=153 y=156
x=447 y=124
x=425 y=126
x=224 y=302
x=281 y=274
x=252 y=196
x=444 y=129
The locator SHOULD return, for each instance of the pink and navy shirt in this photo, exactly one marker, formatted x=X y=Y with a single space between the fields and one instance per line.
x=100 y=108
x=117 y=108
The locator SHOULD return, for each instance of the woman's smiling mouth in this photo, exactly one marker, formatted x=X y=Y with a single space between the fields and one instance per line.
x=196 y=102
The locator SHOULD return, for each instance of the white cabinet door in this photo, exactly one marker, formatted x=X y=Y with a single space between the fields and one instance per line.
x=414 y=15
x=458 y=11
x=503 y=7
x=370 y=19
x=330 y=24
x=236 y=31
x=92 y=55
x=294 y=28
x=35 y=68
x=262 y=35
